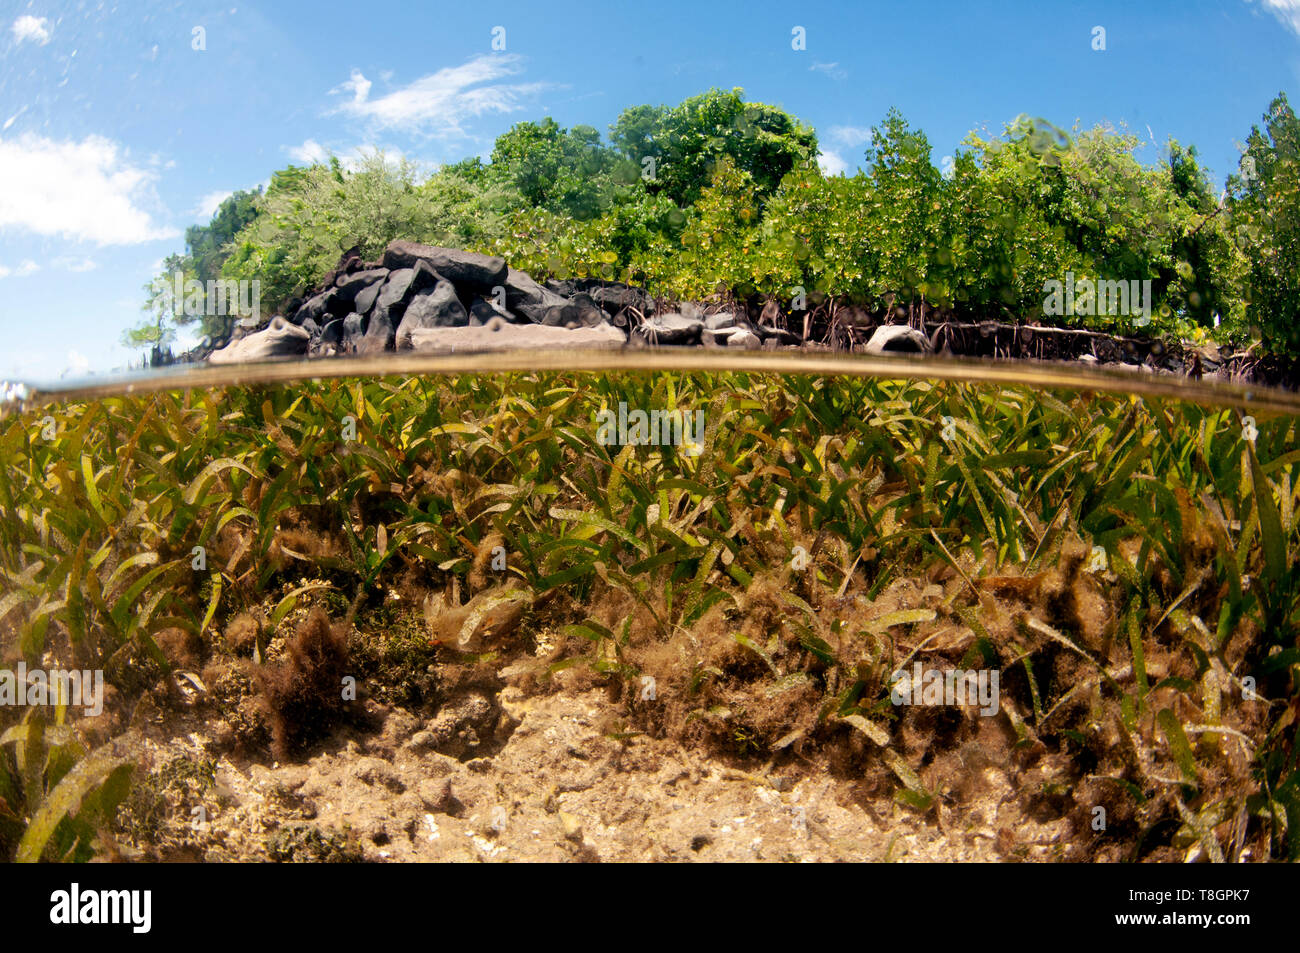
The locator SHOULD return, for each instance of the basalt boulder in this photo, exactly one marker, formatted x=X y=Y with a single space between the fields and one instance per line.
x=467 y=268
x=350 y=285
x=379 y=334
x=317 y=306
x=368 y=295
x=578 y=312
x=440 y=308
x=525 y=296
x=483 y=310
x=401 y=288
x=354 y=328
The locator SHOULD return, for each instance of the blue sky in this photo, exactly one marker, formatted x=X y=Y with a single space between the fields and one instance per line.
x=116 y=132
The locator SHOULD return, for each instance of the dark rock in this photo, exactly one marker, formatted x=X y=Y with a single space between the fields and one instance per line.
x=349 y=285
x=403 y=285
x=579 y=312
x=615 y=298
x=854 y=316
x=354 y=326
x=438 y=309
x=731 y=337
x=395 y=293
x=484 y=310
x=670 y=329
x=317 y=306
x=780 y=335
x=379 y=334
x=332 y=333
x=310 y=326
x=526 y=297
x=349 y=261
x=721 y=337
x=367 y=296
x=716 y=322
x=480 y=272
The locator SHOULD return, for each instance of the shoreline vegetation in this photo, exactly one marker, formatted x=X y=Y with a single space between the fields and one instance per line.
x=720 y=200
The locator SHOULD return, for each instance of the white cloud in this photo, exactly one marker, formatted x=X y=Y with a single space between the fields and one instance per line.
x=25 y=267
x=850 y=136
x=310 y=152
x=78 y=265
x=209 y=204
x=831 y=163
x=359 y=85
x=830 y=69
x=438 y=103
x=85 y=191
x=36 y=29
x=1286 y=11
x=12 y=119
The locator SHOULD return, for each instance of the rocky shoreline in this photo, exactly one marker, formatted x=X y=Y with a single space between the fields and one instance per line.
x=426 y=298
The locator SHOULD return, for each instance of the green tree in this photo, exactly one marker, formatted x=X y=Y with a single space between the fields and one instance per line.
x=1211 y=268
x=206 y=249
x=209 y=245
x=718 y=245
x=558 y=169
x=164 y=311
x=903 y=208
x=1005 y=236
x=687 y=141
x=1264 y=199
x=814 y=235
